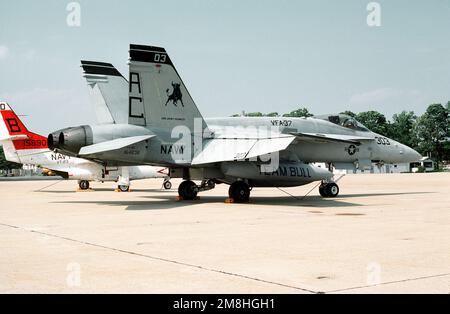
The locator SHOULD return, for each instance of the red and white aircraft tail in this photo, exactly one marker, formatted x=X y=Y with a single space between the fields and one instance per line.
x=25 y=147
x=19 y=144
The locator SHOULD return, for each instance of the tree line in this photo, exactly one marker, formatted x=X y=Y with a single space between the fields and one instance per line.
x=428 y=133
x=7 y=165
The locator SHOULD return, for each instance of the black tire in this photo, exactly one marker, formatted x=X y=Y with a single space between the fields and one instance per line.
x=123 y=188
x=84 y=185
x=239 y=191
x=322 y=190
x=332 y=189
x=187 y=190
x=231 y=190
x=167 y=185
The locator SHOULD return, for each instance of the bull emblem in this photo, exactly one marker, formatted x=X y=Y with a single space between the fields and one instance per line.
x=176 y=94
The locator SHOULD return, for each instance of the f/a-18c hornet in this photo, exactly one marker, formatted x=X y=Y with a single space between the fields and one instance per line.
x=23 y=146
x=164 y=127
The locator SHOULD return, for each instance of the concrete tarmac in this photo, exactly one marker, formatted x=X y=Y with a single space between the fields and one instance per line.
x=383 y=234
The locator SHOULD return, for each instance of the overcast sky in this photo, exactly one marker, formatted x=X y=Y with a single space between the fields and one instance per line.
x=233 y=55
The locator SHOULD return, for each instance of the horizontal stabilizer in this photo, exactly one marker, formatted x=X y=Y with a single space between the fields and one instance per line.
x=113 y=145
x=331 y=138
x=14 y=137
x=220 y=150
x=99 y=68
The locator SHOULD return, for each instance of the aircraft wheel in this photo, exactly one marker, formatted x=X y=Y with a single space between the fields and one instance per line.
x=83 y=184
x=332 y=189
x=239 y=191
x=187 y=190
x=167 y=185
x=124 y=188
x=322 y=190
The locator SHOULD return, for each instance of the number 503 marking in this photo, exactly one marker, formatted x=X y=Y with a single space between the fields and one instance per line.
x=382 y=140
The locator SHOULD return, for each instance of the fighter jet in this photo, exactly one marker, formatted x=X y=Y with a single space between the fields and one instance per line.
x=165 y=127
x=23 y=146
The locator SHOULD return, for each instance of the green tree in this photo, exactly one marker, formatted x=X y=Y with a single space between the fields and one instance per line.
x=402 y=128
x=349 y=113
x=256 y=114
x=432 y=132
x=375 y=121
x=7 y=165
x=301 y=112
x=253 y=114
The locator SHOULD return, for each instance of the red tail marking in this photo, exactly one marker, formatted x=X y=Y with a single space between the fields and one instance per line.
x=16 y=127
x=13 y=123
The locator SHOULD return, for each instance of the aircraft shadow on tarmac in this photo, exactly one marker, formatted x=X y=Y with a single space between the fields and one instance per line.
x=168 y=201
x=101 y=190
x=171 y=203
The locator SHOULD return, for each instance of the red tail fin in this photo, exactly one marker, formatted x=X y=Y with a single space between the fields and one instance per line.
x=11 y=127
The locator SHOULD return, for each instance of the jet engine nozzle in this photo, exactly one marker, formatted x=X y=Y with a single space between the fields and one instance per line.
x=70 y=140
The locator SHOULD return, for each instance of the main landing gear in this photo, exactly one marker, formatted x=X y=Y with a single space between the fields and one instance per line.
x=239 y=192
x=329 y=189
x=187 y=190
x=83 y=184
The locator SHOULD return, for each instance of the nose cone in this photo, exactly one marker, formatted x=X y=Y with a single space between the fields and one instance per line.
x=409 y=154
x=415 y=156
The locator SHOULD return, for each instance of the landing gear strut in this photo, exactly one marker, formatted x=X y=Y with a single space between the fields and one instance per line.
x=329 y=189
x=83 y=184
x=239 y=191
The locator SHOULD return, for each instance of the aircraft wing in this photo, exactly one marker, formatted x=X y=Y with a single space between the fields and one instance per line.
x=113 y=145
x=327 y=138
x=226 y=149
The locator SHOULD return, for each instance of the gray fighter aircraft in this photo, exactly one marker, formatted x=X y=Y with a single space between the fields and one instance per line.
x=164 y=127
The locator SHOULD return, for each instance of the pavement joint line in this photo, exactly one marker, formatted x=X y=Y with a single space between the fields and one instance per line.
x=164 y=259
x=389 y=283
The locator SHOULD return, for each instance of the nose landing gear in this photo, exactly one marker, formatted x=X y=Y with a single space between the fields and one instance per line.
x=83 y=184
x=123 y=188
x=329 y=189
x=167 y=184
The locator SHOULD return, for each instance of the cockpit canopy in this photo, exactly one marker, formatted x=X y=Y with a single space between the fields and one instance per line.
x=344 y=121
